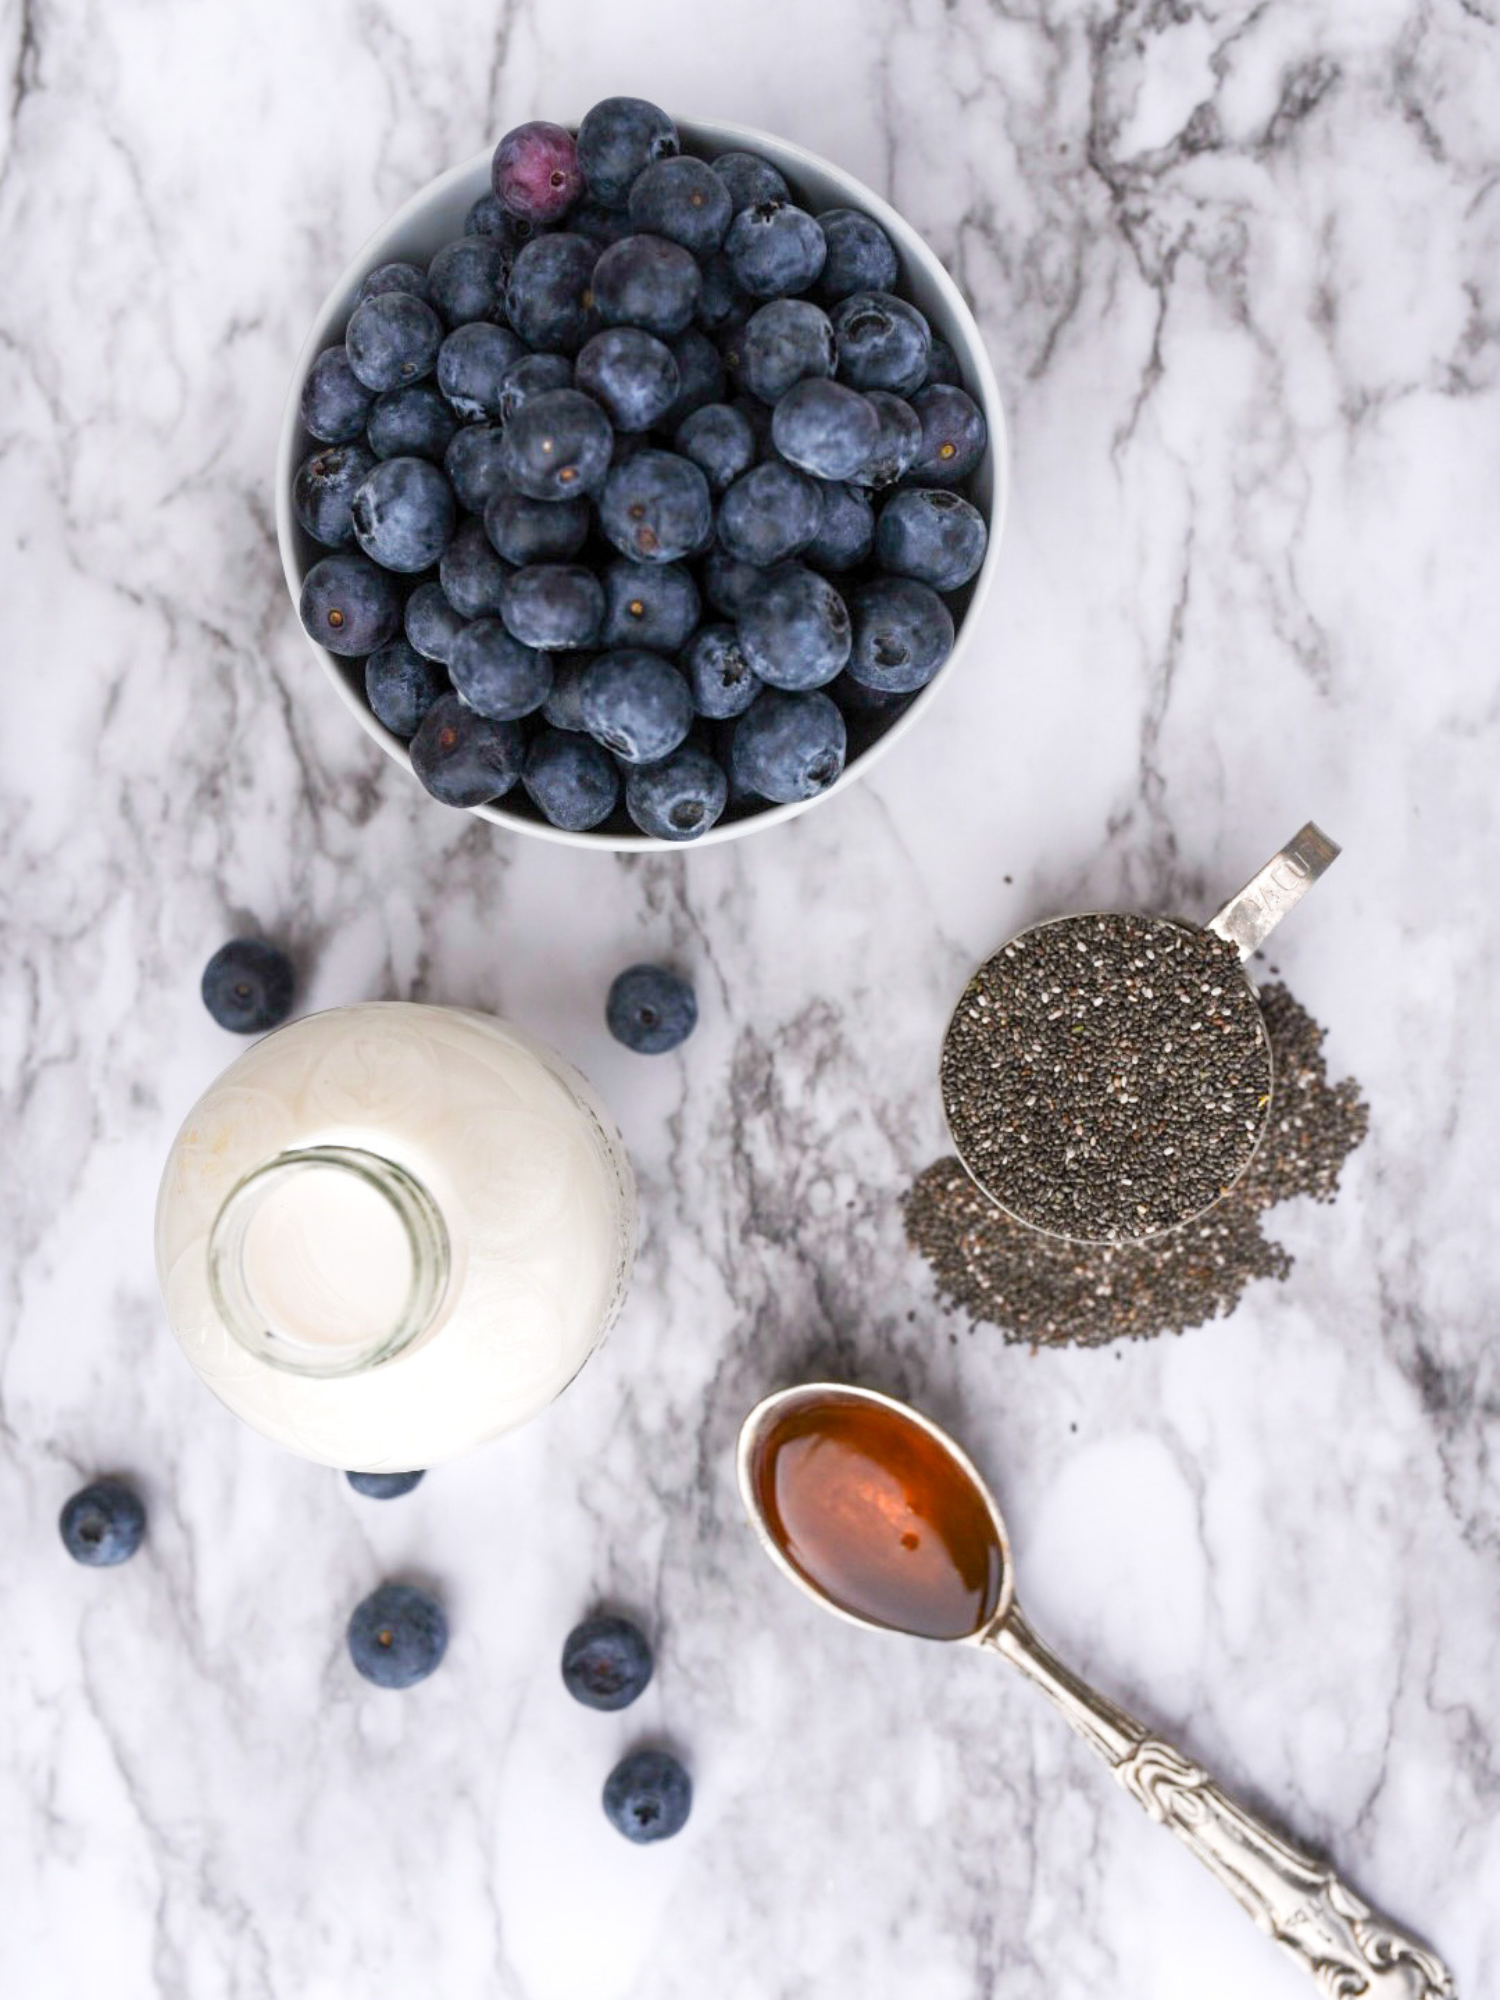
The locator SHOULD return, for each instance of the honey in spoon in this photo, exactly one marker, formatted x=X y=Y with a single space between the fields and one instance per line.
x=879 y=1518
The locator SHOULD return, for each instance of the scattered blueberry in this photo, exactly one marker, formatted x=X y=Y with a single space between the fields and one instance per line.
x=432 y=624
x=825 y=428
x=498 y=677
x=700 y=376
x=722 y=300
x=335 y=404
x=532 y=531
x=606 y=1662
x=846 y=533
x=535 y=173
x=558 y=445
x=750 y=179
x=719 y=441
x=933 y=535
x=769 y=513
x=563 y=708
x=782 y=343
x=794 y=628
x=532 y=376
x=555 y=607
x=903 y=632
x=883 y=342
x=631 y=373
x=349 y=606
x=570 y=780
x=467 y=279
x=655 y=605
x=397 y=1635
x=414 y=422
x=403 y=514
x=383 y=1485
x=549 y=298
x=725 y=581
x=678 y=798
x=463 y=758
x=648 y=282
x=788 y=747
x=861 y=257
x=248 y=986
x=471 y=367
x=324 y=489
x=942 y=365
x=401 y=685
x=104 y=1525
x=775 y=249
x=656 y=507
x=648 y=1796
x=617 y=139
x=954 y=435
x=898 y=444
x=684 y=200
x=392 y=339
x=397 y=277
x=650 y=1009
x=636 y=704
x=721 y=678
x=475 y=464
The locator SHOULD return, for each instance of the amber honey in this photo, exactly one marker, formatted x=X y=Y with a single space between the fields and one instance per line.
x=880 y=1518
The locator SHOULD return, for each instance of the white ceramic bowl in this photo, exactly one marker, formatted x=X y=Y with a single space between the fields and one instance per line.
x=435 y=216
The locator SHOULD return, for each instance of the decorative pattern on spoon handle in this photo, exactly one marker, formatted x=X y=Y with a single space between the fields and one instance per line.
x=1297 y=1900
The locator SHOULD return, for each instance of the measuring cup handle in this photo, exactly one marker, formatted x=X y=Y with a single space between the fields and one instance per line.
x=1297 y=1900
x=1248 y=919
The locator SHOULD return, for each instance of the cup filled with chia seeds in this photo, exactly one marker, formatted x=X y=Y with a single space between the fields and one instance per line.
x=1108 y=1077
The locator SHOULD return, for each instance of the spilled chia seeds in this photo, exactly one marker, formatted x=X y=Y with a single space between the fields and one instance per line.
x=1042 y=1290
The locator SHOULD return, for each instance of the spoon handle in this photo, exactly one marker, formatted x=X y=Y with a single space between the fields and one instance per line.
x=1297 y=1900
x=1249 y=918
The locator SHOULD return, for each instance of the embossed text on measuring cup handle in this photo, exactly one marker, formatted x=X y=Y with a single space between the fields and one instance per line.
x=1248 y=919
x=1296 y=1899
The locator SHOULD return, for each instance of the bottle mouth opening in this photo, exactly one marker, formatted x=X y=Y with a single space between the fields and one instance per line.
x=328 y=1260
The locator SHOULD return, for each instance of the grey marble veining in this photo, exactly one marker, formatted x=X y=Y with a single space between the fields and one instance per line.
x=1239 y=268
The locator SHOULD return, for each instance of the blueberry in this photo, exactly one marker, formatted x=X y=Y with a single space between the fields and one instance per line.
x=954 y=435
x=722 y=299
x=324 y=489
x=475 y=464
x=769 y=513
x=898 y=444
x=933 y=535
x=750 y=179
x=549 y=298
x=794 y=628
x=903 y=632
x=467 y=279
x=397 y=1635
x=488 y=217
x=648 y=1796
x=563 y=708
x=558 y=445
x=725 y=581
x=846 y=533
x=413 y=422
x=533 y=531
x=606 y=1662
x=775 y=249
x=654 y=605
x=349 y=606
x=403 y=514
x=826 y=428
x=104 y=1524
x=631 y=373
x=679 y=798
x=472 y=575
x=335 y=404
x=647 y=281
x=401 y=685
x=395 y=277
x=532 y=376
x=869 y=708
x=722 y=680
x=383 y=1485
x=636 y=704
x=570 y=780
x=700 y=375
x=465 y=759
x=656 y=508
x=555 y=607
x=602 y=226
x=784 y=342
x=617 y=139
x=719 y=441
x=861 y=257
x=392 y=339
x=432 y=624
x=535 y=173
x=788 y=747
x=760 y=419
x=471 y=367
x=942 y=365
x=883 y=342
x=248 y=986
x=684 y=200
x=650 y=1009
x=498 y=677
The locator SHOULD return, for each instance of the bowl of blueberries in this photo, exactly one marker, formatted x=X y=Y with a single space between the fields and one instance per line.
x=641 y=482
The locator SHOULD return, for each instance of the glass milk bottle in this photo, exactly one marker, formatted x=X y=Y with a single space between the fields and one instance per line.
x=390 y=1232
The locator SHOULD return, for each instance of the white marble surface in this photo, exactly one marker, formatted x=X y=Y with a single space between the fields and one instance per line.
x=1239 y=266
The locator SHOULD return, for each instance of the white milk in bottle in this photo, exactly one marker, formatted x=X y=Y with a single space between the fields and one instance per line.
x=390 y=1232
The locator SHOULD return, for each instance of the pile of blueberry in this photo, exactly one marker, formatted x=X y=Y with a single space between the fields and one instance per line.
x=646 y=485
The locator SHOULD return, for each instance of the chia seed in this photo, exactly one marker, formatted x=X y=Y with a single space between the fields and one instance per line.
x=1107 y=1077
